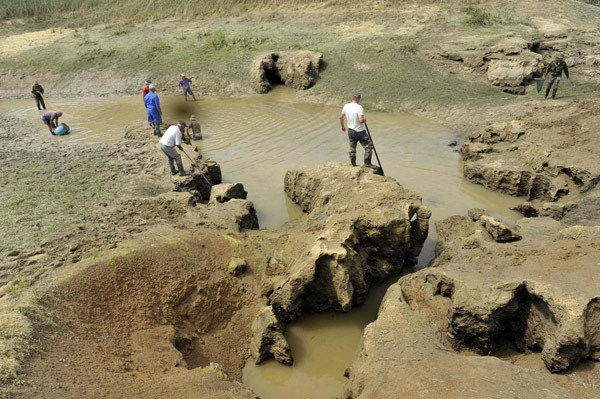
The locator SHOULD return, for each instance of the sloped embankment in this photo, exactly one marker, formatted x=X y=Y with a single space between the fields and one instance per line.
x=535 y=295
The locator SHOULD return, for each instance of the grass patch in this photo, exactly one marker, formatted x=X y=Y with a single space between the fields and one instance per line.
x=135 y=10
x=478 y=15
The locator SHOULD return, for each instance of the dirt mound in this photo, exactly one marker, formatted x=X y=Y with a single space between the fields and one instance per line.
x=296 y=69
x=360 y=227
x=536 y=298
x=549 y=155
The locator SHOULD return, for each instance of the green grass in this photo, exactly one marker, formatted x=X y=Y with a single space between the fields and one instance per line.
x=218 y=50
x=478 y=15
x=51 y=199
x=136 y=10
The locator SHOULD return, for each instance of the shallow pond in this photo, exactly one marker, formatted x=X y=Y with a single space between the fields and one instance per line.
x=256 y=139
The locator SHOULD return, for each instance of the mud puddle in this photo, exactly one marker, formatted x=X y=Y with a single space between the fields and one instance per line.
x=256 y=139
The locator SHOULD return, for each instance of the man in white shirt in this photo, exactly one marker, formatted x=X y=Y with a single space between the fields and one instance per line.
x=355 y=115
x=168 y=142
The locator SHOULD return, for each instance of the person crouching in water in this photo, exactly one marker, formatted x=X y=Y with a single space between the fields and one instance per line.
x=168 y=142
x=195 y=127
x=50 y=119
x=152 y=104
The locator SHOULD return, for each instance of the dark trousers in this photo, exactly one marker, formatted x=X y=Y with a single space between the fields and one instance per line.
x=39 y=101
x=363 y=138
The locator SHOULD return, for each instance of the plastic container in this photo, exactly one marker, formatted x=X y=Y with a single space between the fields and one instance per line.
x=62 y=129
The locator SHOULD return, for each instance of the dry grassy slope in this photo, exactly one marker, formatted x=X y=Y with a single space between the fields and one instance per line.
x=380 y=47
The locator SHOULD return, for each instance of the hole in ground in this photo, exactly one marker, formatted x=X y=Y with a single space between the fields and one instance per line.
x=273 y=76
x=191 y=349
x=534 y=47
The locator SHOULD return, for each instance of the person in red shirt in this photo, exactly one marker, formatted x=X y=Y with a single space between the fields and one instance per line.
x=146 y=89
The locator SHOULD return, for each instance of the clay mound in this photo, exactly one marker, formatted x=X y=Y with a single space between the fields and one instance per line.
x=550 y=155
x=537 y=297
x=296 y=69
x=360 y=227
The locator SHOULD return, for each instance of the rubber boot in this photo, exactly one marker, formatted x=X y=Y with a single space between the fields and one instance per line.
x=547 y=92
x=353 y=159
x=554 y=94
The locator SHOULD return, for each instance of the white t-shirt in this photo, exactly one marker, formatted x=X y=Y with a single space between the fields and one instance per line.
x=352 y=110
x=172 y=137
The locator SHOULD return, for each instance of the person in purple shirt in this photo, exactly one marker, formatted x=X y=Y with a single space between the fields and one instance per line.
x=153 y=107
x=185 y=83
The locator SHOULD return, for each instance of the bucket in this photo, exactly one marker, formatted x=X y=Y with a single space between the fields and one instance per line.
x=62 y=129
x=539 y=84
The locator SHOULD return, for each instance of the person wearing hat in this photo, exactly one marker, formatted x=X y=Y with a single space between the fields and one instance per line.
x=554 y=73
x=168 y=142
x=355 y=115
x=146 y=88
x=196 y=130
x=50 y=119
x=185 y=83
x=152 y=104
x=37 y=90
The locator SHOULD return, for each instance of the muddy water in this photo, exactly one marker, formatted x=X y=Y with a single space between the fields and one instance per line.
x=256 y=139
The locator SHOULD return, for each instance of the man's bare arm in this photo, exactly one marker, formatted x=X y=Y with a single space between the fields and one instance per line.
x=342 y=122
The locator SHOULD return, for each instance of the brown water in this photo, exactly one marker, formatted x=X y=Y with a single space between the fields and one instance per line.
x=256 y=139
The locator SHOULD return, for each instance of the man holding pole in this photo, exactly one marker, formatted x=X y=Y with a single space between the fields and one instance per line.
x=37 y=90
x=168 y=142
x=355 y=115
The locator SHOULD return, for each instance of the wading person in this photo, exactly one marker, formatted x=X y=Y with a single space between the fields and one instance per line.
x=50 y=119
x=146 y=89
x=186 y=85
x=168 y=142
x=195 y=127
x=355 y=115
x=37 y=90
x=153 y=108
x=554 y=74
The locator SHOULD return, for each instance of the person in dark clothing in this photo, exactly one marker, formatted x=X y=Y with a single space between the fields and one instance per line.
x=37 y=90
x=554 y=73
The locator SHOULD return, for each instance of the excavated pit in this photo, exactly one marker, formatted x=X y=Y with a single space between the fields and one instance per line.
x=525 y=322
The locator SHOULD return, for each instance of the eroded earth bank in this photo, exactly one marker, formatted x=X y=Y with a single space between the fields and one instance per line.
x=166 y=286
x=503 y=310
x=176 y=305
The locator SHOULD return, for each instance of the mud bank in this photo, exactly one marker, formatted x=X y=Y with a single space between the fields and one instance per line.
x=177 y=299
x=484 y=305
x=549 y=156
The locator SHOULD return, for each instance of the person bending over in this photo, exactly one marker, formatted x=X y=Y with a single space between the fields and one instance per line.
x=195 y=127
x=168 y=142
x=50 y=119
